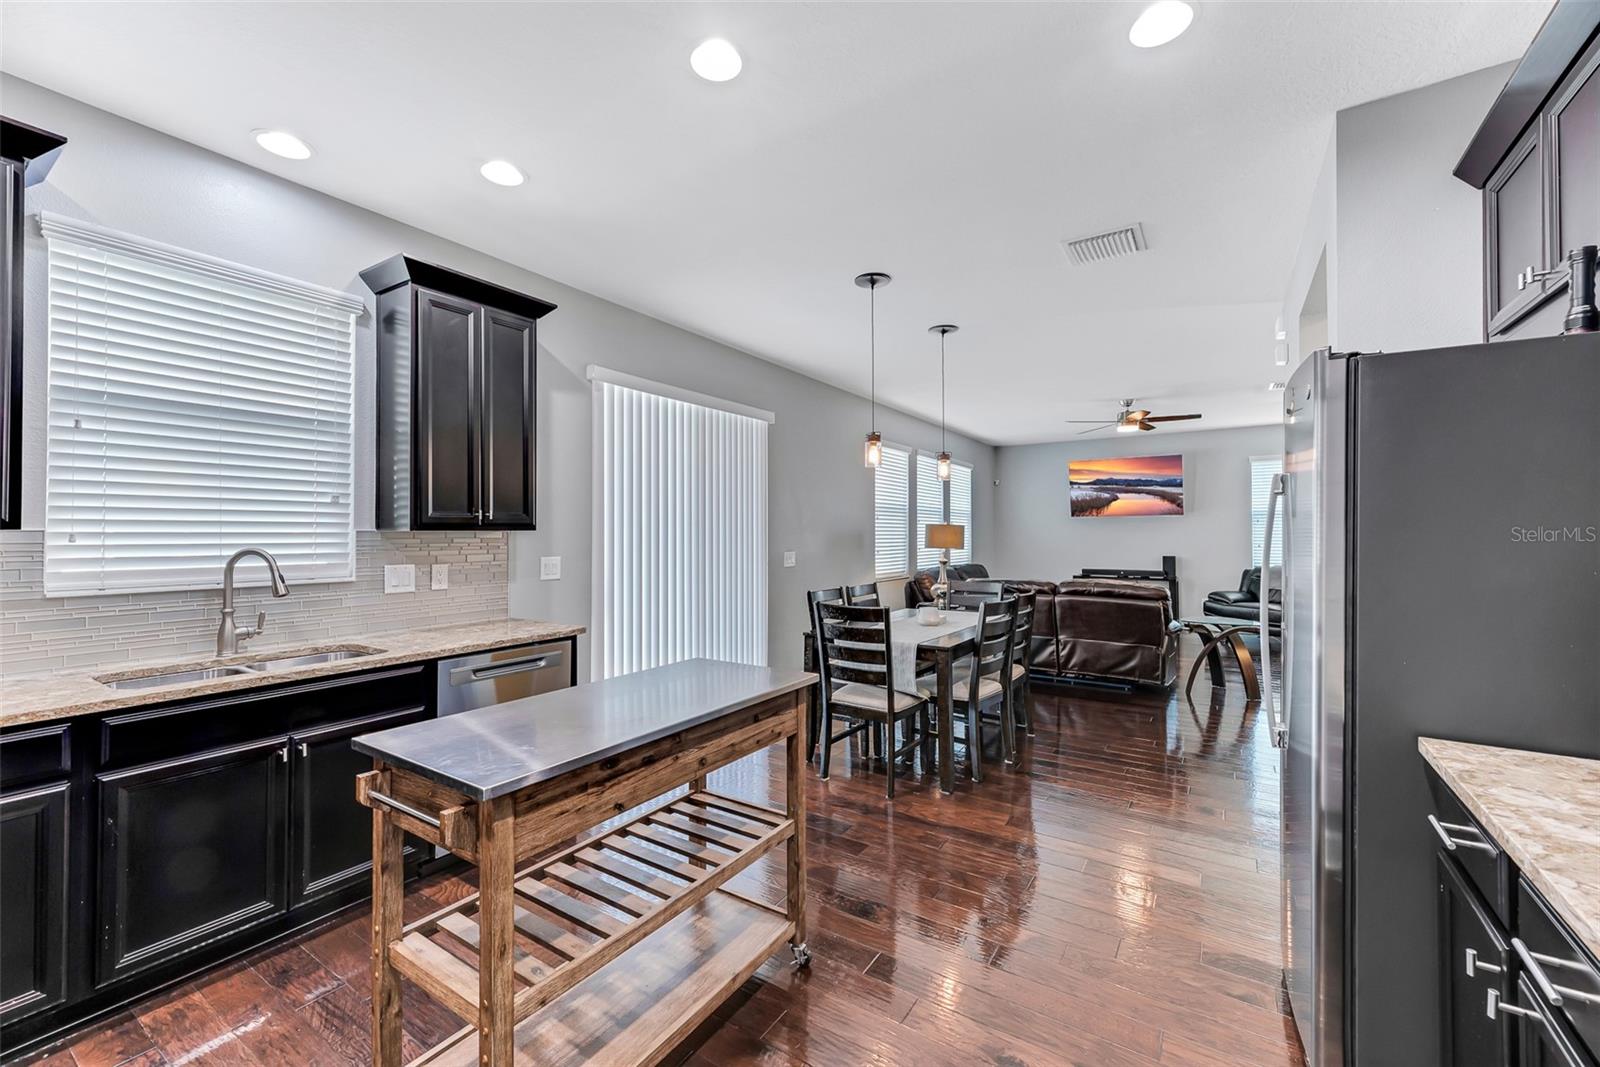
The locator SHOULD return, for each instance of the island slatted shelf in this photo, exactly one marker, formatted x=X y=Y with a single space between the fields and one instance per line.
x=609 y=950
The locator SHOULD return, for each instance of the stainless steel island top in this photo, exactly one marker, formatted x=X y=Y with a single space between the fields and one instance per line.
x=497 y=750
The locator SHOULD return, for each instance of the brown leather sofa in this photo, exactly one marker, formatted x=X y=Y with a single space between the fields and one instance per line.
x=1103 y=630
x=919 y=590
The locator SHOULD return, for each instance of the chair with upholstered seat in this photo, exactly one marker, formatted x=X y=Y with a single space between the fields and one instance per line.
x=863 y=596
x=969 y=594
x=831 y=595
x=859 y=684
x=980 y=693
x=1021 y=637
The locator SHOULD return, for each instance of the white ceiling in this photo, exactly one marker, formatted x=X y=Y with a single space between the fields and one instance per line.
x=952 y=145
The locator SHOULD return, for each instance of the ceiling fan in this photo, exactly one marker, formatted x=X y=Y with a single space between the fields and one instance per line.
x=1132 y=420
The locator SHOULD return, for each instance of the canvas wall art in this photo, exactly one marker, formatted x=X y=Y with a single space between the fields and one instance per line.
x=1126 y=485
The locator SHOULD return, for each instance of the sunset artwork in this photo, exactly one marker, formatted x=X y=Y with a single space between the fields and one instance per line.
x=1126 y=485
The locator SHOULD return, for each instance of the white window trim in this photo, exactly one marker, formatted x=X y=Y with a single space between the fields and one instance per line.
x=57 y=227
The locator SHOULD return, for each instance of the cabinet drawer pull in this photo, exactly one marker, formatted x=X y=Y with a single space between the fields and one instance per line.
x=1497 y=1007
x=404 y=809
x=1453 y=843
x=1535 y=962
x=283 y=754
x=305 y=750
x=1474 y=965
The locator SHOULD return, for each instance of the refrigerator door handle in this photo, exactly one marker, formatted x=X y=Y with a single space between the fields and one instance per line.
x=1280 y=723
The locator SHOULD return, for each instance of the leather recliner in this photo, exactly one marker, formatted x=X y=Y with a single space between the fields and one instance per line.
x=919 y=590
x=1105 y=630
x=1244 y=603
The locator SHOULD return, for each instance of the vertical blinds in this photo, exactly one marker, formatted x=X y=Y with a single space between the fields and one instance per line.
x=891 y=513
x=930 y=509
x=961 y=509
x=681 y=532
x=1262 y=470
x=194 y=407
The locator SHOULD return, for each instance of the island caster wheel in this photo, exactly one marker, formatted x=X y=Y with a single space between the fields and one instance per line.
x=802 y=955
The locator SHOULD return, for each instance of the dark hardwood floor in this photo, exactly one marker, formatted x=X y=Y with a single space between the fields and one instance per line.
x=1110 y=902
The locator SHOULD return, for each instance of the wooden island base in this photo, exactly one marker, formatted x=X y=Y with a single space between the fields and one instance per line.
x=611 y=950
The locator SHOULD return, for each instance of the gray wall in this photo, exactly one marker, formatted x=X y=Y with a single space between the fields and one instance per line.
x=132 y=178
x=1040 y=539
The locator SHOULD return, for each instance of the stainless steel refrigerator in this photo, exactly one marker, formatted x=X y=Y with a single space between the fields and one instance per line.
x=1441 y=577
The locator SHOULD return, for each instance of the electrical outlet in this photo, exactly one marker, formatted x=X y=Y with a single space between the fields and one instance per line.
x=399 y=578
x=549 y=568
x=788 y=559
x=439 y=575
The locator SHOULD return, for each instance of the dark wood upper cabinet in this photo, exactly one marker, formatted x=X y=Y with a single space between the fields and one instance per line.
x=1536 y=156
x=456 y=399
x=26 y=155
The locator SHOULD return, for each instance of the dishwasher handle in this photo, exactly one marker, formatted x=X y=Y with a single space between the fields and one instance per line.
x=538 y=662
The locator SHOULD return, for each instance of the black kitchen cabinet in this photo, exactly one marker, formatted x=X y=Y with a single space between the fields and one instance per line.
x=1473 y=961
x=457 y=400
x=191 y=850
x=1544 y=1041
x=26 y=155
x=331 y=836
x=33 y=898
x=1536 y=156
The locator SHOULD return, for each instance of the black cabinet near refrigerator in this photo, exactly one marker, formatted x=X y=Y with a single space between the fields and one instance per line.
x=456 y=399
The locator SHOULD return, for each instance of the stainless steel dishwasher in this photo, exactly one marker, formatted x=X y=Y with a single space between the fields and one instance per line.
x=486 y=678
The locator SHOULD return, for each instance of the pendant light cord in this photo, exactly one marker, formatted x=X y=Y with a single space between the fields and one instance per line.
x=942 y=447
x=872 y=333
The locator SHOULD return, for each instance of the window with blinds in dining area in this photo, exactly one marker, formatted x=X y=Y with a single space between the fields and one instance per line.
x=194 y=407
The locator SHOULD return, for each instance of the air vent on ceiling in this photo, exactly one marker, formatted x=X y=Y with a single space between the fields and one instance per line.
x=1123 y=241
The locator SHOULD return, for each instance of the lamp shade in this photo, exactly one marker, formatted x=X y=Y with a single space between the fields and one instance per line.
x=946 y=535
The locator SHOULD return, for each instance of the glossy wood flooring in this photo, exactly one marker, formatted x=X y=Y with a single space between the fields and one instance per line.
x=1111 y=902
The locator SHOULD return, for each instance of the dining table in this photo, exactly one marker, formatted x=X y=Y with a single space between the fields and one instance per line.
x=919 y=649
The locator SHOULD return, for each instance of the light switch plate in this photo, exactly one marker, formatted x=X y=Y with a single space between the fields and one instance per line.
x=788 y=559
x=549 y=568
x=399 y=578
x=439 y=575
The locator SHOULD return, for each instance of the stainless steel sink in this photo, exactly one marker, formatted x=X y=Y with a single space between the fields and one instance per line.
x=205 y=672
x=201 y=674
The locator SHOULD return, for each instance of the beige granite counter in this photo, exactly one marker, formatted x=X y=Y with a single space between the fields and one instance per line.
x=1543 y=810
x=63 y=694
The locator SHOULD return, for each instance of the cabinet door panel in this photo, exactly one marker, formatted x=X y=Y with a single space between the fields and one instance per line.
x=1473 y=958
x=1575 y=159
x=508 y=423
x=448 y=337
x=190 y=850
x=1514 y=201
x=1544 y=1042
x=331 y=833
x=33 y=899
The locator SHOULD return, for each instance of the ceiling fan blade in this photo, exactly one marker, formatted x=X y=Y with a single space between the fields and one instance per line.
x=1092 y=429
x=1136 y=415
x=1170 y=418
x=1145 y=424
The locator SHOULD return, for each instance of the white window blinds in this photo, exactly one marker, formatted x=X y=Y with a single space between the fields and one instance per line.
x=680 y=528
x=930 y=508
x=1262 y=470
x=194 y=407
x=961 y=509
x=891 y=513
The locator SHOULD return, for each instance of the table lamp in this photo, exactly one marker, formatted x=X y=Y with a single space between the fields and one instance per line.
x=944 y=536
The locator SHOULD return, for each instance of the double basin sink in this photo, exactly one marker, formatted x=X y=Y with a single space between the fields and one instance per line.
x=209 y=670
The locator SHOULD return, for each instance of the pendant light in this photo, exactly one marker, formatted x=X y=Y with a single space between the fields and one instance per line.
x=871 y=281
x=943 y=330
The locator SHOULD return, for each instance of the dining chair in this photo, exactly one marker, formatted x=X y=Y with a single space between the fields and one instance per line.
x=831 y=595
x=1021 y=638
x=983 y=687
x=858 y=657
x=865 y=596
x=968 y=594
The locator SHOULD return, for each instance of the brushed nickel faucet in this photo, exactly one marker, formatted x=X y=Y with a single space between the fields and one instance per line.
x=229 y=636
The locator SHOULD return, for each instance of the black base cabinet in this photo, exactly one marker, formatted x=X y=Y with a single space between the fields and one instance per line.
x=138 y=848
x=1492 y=1010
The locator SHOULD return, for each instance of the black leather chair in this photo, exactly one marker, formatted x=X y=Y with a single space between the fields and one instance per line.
x=1244 y=603
x=919 y=590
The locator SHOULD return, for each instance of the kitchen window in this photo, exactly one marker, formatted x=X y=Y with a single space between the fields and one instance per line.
x=1262 y=470
x=680 y=527
x=891 y=513
x=195 y=406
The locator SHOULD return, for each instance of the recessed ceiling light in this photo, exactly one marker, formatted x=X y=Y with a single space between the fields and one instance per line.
x=1162 y=21
x=283 y=143
x=501 y=173
x=716 y=60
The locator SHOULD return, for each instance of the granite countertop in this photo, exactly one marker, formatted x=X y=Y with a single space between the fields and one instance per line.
x=499 y=749
x=1543 y=810
x=63 y=694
